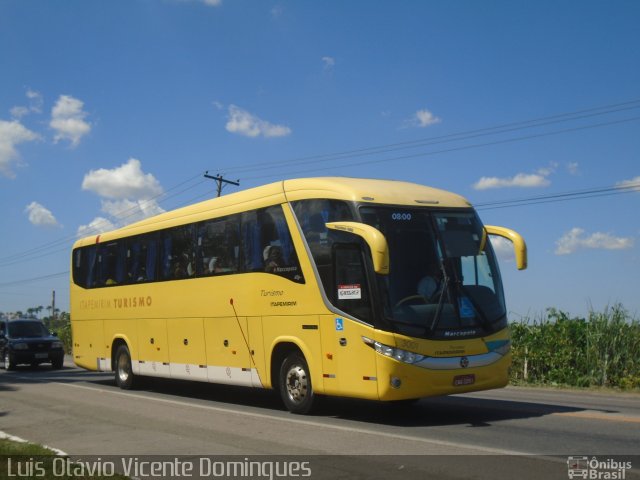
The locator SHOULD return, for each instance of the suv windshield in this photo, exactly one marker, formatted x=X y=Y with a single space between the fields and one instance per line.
x=27 y=330
x=444 y=281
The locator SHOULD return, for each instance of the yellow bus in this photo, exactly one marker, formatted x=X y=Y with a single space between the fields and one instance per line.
x=371 y=289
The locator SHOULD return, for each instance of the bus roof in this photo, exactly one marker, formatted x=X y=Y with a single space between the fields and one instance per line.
x=390 y=192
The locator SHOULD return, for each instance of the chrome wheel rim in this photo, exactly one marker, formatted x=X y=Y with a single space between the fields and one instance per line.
x=124 y=369
x=297 y=384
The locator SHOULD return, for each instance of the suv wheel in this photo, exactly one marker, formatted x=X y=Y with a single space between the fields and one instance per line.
x=8 y=361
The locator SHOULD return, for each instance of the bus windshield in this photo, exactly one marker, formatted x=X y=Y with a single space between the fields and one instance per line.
x=444 y=281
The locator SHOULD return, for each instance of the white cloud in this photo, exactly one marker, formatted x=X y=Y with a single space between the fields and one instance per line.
x=209 y=3
x=425 y=118
x=245 y=123
x=421 y=119
x=576 y=239
x=35 y=105
x=127 y=181
x=521 y=180
x=633 y=183
x=277 y=11
x=40 y=216
x=572 y=168
x=503 y=248
x=127 y=196
x=68 y=120
x=329 y=62
x=128 y=211
x=95 y=227
x=19 y=112
x=12 y=134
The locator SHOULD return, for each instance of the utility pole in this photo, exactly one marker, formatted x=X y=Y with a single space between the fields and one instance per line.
x=220 y=180
x=53 y=306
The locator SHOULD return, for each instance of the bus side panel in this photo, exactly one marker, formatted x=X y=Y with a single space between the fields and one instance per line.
x=302 y=331
x=227 y=352
x=88 y=343
x=349 y=363
x=256 y=343
x=153 y=351
x=187 y=354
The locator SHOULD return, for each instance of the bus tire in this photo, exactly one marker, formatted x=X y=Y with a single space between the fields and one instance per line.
x=123 y=371
x=295 y=384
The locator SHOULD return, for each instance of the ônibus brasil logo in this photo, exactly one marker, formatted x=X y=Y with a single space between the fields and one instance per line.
x=609 y=469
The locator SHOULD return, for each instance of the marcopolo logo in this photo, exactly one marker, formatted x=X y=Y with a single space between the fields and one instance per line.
x=609 y=469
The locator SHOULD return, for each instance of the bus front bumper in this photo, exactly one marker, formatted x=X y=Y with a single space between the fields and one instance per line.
x=402 y=381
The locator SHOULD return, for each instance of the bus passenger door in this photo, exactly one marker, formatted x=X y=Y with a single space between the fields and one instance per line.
x=349 y=365
x=349 y=362
x=153 y=351
x=228 y=358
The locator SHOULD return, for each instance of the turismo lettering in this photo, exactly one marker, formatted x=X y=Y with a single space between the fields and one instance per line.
x=132 y=302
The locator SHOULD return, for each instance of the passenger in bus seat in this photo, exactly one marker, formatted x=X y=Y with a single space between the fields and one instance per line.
x=272 y=258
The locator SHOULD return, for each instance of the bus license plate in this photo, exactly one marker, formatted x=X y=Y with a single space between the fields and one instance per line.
x=460 y=380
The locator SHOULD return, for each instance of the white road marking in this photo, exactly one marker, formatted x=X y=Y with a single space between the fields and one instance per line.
x=297 y=421
x=13 y=438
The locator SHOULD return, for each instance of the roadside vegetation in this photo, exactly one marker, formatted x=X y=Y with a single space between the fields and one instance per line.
x=28 y=460
x=556 y=349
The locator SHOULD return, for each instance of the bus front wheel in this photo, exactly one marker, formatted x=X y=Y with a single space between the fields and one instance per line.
x=123 y=371
x=295 y=384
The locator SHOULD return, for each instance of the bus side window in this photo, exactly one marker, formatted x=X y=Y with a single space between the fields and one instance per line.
x=110 y=265
x=177 y=258
x=218 y=247
x=251 y=242
x=276 y=246
x=140 y=259
x=82 y=261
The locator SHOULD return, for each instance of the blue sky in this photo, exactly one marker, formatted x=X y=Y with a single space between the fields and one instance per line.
x=112 y=107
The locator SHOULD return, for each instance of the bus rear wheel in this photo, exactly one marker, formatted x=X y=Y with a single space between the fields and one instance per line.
x=295 y=385
x=123 y=371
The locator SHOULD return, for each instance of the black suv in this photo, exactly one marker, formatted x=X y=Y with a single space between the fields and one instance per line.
x=28 y=341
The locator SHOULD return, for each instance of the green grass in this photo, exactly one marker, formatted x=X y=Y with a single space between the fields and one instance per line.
x=35 y=461
x=601 y=350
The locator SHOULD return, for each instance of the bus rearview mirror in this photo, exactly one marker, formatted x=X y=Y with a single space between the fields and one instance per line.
x=375 y=240
x=519 y=245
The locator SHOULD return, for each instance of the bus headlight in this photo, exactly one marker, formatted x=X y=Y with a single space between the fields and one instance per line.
x=396 y=353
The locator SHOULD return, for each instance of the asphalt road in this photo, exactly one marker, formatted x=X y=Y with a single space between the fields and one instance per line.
x=509 y=433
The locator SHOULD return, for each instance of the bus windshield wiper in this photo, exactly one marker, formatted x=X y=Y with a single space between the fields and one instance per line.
x=446 y=280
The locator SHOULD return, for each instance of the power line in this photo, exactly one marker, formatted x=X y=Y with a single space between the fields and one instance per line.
x=220 y=180
x=37 y=252
x=34 y=279
x=561 y=197
x=457 y=149
x=465 y=135
x=520 y=202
